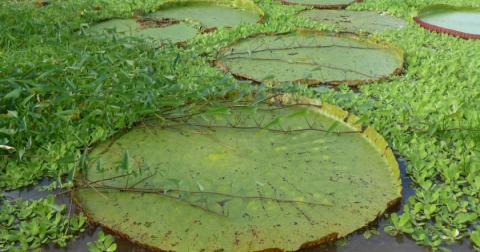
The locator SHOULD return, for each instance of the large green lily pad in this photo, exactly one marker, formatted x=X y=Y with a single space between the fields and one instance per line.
x=180 y=20
x=211 y=14
x=174 y=33
x=310 y=57
x=459 y=21
x=240 y=179
x=322 y=4
x=355 y=21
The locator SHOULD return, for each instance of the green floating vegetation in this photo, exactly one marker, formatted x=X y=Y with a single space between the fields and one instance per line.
x=355 y=21
x=211 y=14
x=322 y=4
x=458 y=21
x=175 y=32
x=310 y=57
x=241 y=179
x=28 y=225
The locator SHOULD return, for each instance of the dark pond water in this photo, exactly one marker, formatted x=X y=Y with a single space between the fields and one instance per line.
x=354 y=243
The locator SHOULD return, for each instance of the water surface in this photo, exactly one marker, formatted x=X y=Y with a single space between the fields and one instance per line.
x=355 y=242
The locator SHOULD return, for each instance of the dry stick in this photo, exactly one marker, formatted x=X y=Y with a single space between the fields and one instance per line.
x=147 y=128
x=291 y=105
x=233 y=106
x=164 y=191
x=190 y=204
x=305 y=63
x=159 y=193
x=304 y=47
x=62 y=193
x=141 y=180
x=273 y=130
x=107 y=179
x=101 y=194
x=69 y=214
x=130 y=189
x=185 y=116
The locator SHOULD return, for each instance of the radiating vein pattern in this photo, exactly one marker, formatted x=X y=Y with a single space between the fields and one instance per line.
x=277 y=177
x=310 y=57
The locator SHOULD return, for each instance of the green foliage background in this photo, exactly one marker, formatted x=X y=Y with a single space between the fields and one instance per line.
x=61 y=91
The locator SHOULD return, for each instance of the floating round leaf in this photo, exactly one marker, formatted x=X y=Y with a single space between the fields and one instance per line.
x=458 y=21
x=322 y=4
x=355 y=21
x=211 y=14
x=310 y=57
x=174 y=32
x=241 y=179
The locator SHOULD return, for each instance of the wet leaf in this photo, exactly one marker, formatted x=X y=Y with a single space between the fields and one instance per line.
x=310 y=57
x=209 y=13
x=459 y=21
x=355 y=21
x=280 y=183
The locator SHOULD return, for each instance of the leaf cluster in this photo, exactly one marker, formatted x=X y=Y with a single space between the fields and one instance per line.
x=27 y=225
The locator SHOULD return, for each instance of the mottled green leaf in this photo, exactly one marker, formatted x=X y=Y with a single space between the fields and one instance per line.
x=310 y=57
x=273 y=190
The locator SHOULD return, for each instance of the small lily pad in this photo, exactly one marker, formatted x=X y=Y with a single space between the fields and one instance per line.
x=322 y=4
x=310 y=57
x=211 y=14
x=355 y=21
x=278 y=177
x=458 y=21
x=174 y=33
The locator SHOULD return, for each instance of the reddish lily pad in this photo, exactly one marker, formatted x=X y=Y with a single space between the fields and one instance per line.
x=458 y=21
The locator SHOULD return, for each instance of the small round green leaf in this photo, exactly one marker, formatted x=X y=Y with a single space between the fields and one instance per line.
x=310 y=57
x=279 y=177
x=458 y=21
x=355 y=21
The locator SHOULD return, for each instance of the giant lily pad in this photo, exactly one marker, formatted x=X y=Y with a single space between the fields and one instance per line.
x=310 y=57
x=322 y=4
x=211 y=14
x=459 y=21
x=178 y=21
x=173 y=32
x=355 y=21
x=241 y=179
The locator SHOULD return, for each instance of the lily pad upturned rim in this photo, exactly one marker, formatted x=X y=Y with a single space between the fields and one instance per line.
x=436 y=28
x=333 y=111
x=174 y=3
x=217 y=62
x=322 y=6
